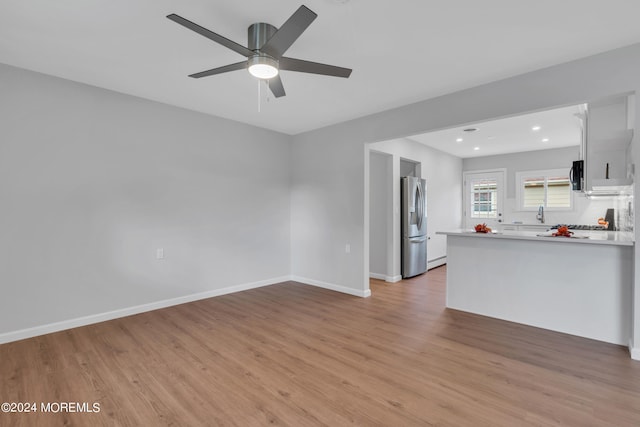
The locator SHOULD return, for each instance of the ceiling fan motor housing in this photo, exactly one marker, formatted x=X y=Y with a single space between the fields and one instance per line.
x=259 y=34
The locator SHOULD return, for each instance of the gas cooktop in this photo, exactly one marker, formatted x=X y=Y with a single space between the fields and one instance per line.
x=580 y=227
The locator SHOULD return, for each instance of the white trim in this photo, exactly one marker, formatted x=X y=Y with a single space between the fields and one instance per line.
x=390 y=279
x=338 y=288
x=115 y=314
x=469 y=222
x=635 y=352
x=436 y=262
x=366 y=219
x=492 y=170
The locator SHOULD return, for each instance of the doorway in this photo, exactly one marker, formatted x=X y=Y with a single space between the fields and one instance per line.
x=410 y=168
x=484 y=197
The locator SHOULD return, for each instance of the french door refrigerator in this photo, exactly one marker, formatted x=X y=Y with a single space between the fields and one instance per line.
x=413 y=204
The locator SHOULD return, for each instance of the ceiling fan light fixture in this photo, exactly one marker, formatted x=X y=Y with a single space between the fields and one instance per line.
x=263 y=67
x=265 y=48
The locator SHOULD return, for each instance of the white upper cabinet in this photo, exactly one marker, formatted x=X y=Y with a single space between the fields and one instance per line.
x=607 y=142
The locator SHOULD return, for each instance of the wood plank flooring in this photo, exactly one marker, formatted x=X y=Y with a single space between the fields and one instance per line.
x=291 y=354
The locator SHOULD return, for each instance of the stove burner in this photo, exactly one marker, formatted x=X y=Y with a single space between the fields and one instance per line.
x=580 y=227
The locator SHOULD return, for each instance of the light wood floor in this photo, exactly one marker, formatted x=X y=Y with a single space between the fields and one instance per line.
x=296 y=355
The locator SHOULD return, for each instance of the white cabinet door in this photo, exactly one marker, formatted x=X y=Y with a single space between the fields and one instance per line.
x=609 y=133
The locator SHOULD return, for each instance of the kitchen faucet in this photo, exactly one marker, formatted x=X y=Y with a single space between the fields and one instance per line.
x=540 y=215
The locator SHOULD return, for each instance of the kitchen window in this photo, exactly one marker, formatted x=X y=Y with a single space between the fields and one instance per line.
x=550 y=188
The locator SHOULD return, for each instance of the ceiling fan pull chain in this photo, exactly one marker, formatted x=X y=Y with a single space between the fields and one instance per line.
x=266 y=84
x=258 y=96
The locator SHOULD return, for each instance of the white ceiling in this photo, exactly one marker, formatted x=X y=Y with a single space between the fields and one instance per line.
x=528 y=132
x=401 y=51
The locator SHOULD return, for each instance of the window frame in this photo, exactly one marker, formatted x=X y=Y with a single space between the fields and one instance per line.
x=546 y=173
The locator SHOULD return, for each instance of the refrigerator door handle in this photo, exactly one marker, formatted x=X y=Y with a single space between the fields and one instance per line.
x=420 y=207
x=417 y=239
x=416 y=205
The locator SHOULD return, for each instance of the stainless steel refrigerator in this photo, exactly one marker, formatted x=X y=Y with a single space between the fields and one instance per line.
x=414 y=226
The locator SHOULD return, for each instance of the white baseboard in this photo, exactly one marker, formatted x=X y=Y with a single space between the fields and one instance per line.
x=338 y=288
x=115 y=314
x=634 y=351
x=390 y=279
x=436 y=262
x=393 y=279
x=110 y=315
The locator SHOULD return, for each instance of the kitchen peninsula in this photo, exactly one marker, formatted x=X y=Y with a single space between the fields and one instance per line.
x=580 y=285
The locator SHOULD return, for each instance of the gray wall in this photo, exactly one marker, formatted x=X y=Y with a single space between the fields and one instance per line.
x=330 y=170
x=92 y=182
x=381 y=214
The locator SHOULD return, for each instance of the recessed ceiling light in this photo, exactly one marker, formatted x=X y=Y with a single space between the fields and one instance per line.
x=545 y=139
x=459 y=140
x=535 y=128
x=470 y=129
x=476 y=148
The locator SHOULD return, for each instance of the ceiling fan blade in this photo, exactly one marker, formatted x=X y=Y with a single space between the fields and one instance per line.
x=275 y=84
x=289 y=32
x=302 y=66
x=211 y=35
x=220 y=70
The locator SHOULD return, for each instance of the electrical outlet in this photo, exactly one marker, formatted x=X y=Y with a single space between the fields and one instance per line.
x=160 y=253
x=347 y=248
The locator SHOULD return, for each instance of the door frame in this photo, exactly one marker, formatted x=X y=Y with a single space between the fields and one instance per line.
x=501 y=194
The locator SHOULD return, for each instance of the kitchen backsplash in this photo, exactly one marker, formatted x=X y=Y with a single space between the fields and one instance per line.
x=585 y=211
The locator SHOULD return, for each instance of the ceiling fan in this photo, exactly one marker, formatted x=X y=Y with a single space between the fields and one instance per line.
x=266 y=45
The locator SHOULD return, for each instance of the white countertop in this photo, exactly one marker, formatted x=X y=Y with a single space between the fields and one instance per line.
x=619 y=238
